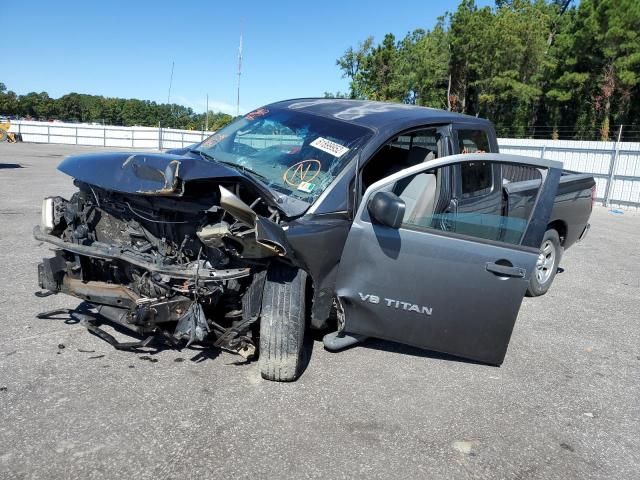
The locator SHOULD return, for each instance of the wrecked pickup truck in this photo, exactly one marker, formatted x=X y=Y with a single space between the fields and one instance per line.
x=382 y=220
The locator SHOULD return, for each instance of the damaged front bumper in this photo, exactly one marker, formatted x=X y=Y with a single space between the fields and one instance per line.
x=111 y=252
x=120 y=304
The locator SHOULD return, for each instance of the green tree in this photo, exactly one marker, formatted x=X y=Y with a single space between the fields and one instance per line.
x=597 y=67
x=510 y=64
x=525 y=64
x=76 y=107
x=380 y=76
x=8 y=101
x=468 y=50
x=351 y=63
x=423 y=66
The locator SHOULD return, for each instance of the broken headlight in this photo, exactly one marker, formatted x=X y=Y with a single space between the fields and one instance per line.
x=47 y=220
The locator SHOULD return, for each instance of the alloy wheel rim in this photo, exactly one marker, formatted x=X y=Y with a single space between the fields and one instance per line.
x=546 y=261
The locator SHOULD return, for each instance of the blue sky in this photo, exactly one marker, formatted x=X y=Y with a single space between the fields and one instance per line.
x=125 y=49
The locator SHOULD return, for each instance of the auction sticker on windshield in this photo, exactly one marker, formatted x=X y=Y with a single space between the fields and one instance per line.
x=329 y=147
x=306 y=187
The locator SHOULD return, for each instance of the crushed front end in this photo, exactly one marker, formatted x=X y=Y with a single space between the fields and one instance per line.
x=172 y=262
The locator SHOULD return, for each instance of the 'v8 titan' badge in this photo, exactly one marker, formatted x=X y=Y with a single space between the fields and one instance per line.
x=397 y=304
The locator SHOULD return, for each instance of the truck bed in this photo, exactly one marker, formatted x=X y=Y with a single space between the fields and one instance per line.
x=573 y=206
x=573 y=203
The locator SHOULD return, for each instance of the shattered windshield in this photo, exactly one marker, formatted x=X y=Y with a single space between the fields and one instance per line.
x=292 y=153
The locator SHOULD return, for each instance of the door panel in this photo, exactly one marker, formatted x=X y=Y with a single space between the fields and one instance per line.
x=445 y=277
x=436 y=289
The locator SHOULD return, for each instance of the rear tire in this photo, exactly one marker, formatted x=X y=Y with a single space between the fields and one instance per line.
x=547 y=264
x=282 y=323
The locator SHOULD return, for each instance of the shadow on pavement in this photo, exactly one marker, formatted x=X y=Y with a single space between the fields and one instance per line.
x=85 y=314
x=393 y=347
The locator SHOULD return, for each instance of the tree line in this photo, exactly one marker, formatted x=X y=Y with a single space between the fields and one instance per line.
x=534 y=67
x=78 y=107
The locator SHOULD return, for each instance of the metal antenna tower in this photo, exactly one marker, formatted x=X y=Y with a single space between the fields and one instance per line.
x=170 y=83
x=239 y=73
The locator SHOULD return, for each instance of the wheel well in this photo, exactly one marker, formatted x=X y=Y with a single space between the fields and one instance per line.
x=560 y=227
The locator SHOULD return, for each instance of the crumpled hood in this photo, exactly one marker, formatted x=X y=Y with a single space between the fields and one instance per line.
x=161 y=174
x=141 y=172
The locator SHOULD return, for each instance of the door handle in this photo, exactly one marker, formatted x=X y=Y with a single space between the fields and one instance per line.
x=505 y=270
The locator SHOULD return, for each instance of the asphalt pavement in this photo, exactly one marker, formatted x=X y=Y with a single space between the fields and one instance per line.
x=565 y=404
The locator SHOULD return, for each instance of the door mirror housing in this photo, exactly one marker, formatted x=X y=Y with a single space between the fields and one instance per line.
x=387 y=209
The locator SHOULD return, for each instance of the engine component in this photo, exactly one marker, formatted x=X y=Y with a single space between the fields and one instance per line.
x=178 y=269
x=212 y=235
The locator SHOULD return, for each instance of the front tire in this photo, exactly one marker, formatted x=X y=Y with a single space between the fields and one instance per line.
x=282 y=323
x=546 y=265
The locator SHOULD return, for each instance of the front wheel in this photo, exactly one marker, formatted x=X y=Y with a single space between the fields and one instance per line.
x=546 y=265
x=282 y=323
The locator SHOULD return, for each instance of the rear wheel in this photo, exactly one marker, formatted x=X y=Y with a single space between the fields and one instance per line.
x=282 y=323
x=546 y=265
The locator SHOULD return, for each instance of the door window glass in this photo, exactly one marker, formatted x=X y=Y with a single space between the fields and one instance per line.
x=476 y=178
x=501 y=216
x=402 y=152
x=473 y=141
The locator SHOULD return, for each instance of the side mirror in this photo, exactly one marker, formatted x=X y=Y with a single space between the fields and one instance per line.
x=386 y=208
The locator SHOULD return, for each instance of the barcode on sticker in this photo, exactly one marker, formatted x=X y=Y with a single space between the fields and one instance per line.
x=329 y=147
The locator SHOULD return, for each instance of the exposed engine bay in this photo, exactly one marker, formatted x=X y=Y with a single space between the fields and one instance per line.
x=188 y=268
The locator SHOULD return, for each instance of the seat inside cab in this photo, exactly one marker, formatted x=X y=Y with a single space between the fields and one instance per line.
x=420 y=192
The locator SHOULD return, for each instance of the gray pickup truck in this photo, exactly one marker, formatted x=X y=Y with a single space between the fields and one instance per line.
x=379 y=220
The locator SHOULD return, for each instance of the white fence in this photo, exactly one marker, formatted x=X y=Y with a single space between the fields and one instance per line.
x=105 y=136
x=615 y=165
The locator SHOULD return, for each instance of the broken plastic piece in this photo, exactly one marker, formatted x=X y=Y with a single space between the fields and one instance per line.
x=110 y=339
x=192 y=325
